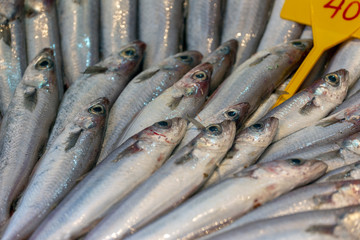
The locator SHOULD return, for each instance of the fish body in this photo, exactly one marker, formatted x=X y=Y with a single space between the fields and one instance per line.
x=347 y=172
x=111 y=180
x=141 y=90
x=185 y=171
x=25 y=127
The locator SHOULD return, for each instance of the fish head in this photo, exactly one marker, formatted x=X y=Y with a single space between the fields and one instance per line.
x=94 y=115
x=127 y=60
x=225 y=52
x=218 y=136
x=184 y=60
x=260 y=134
x=236 y=112
x=196 y=81
x=34 y=7
x=166 y=132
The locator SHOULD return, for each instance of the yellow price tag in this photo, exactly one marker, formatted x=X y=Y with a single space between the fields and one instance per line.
x=332 y=21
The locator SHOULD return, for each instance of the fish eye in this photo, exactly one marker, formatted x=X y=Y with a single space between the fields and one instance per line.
x=199 y=76
x=97 y=109
x=214 y=129
x=44 y=63
x=163 y=124
x=295 y=162
x=128 y=52
x=333 y=79
x=231 y=114
x=185 y=58
x=257 y=127
x=298 y=44
x=225 y=50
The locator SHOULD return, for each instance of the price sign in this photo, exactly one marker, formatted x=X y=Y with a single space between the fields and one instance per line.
x=332 y=21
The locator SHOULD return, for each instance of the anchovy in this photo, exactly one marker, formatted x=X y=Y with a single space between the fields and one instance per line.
x=110 y=181
x=12 y=50
x=107 y=78
x=42 y=31
x=185 y=171
x=347 y=172
x=79 y=36
x=349 y=101
x=183 y=99
x=72 y=155
x=141 y=90
x=248 y=146
x=117 y=24
x=245 y=21
x=203 y=25
x=218 y=206
x=25 y=127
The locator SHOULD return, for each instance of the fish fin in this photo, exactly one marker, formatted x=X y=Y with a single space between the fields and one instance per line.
x=340 y=176
x=325 y=122
x=329 y=155
x=79 y=179
x=95 y=70
x=175 y=102
x=308 y=107
x=184 y=158
x=30 y=98
x=77 y=1
x=129 y=150
x=281 y=92
x=72 y=139
x=195 y=122
x=321 y=229
x=168 y=67
x=259 y=60
x=5 y=34
x=145 y=75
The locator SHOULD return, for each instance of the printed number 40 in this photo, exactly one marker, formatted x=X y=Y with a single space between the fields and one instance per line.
x=345 y=14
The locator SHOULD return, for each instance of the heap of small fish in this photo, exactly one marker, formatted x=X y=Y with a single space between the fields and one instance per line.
x=152 y=119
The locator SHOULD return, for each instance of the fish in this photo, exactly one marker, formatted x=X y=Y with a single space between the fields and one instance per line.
x=203 y=25
x=79 y=27
x=349 y=101
x=71 y=156
x=221 y=204
x=25 y=127
x=107 y=78
x=42 y=31
x=185 y=171
x=117 y=25
x=165 y=37
x=249 y=144
x=347 y=172
x=331 y=224
x=183 y=99
x=111 y=180
x=141 y=90
x=252 y=82
x=279 y=30
x=13 y=61
x=246 y=22
x=311 y=104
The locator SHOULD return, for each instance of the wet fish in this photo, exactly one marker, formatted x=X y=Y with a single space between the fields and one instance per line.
x=348 y=172
x=42 y=31
x=311 y=104
x=141 y=90
x=72 y=155
x=79 y=36
x=111 y=180
x=118 y=24
x=25 y=127
x=332 y=224
x=245 y=21
x=349 y=101
x=12 y=50
x=107 y=78
x=253 y=81
x=185 y=171
x=203 y=25
x=221 y=204
x=249 y=144
x=183 y=99
x=163 y=38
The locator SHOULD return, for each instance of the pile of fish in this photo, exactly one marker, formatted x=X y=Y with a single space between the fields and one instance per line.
x=153 y=119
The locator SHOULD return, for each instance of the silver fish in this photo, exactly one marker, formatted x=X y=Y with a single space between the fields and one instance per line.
x=25 y=127
x=183 y=99
x=349 y=101
x=253 y=81
x=164 y=37
x=311 y=104
x=185 y=171
x=141 y=90
x=42 y=31
x=79 y=36
x=110 y=181
x=72 y=155
x=245 y=21
x=107 y=78
x=348 y=172
x=279 y=30
x=12 y=50
x=249 y=144
x=223 y=203
x=118 y=24
x=203 y=25
x=332 y=224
